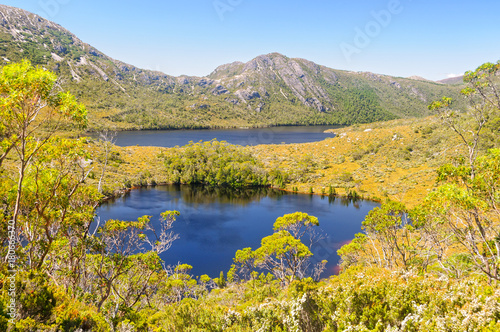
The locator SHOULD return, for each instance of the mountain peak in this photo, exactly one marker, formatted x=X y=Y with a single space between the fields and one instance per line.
x=270 y=89
x=419 y=78
x=19 y=21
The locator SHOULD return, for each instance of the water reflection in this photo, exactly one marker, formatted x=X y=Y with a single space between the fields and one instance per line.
x=224 y=195
x=215 y=222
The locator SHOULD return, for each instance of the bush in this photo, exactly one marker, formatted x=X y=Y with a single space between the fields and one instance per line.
x=217 y=163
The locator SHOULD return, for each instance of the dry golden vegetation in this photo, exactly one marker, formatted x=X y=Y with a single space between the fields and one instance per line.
x=395 y=159
x=435 y=267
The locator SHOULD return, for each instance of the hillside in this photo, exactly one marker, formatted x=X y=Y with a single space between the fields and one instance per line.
x=268 y=90
x=350 y=96
x=427 y=259
x=452 y=80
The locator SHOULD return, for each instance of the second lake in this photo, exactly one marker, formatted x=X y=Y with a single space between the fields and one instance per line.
x=254 y=136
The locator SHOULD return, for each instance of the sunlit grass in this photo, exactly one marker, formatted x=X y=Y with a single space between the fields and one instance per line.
x=395 y=159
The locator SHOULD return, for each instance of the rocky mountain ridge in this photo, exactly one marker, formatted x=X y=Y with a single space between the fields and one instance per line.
x=270 y=89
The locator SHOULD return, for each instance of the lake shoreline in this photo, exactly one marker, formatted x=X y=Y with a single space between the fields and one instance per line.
x=95 y=131
x=122 y=192
x=235 y=136
x=214 y=223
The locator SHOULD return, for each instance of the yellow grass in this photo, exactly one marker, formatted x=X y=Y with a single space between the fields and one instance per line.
x=389 y=171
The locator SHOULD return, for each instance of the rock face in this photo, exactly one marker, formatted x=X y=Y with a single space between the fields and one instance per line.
x=265 y=71
x=261 y=89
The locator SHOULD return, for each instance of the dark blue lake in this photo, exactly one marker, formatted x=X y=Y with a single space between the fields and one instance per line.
x=214 y=223
x=272 y=135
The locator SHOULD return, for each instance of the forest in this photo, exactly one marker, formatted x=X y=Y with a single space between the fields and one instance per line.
x=422 y=262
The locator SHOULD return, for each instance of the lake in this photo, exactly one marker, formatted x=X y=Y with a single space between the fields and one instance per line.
x=254 y=136
x=216 y=222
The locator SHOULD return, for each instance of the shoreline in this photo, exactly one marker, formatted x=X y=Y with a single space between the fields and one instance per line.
x=121 y=192
x=95 y=131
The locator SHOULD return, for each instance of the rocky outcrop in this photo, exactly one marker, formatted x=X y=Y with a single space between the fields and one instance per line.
x=298 y=76
x=267 y=83
x=246 y=95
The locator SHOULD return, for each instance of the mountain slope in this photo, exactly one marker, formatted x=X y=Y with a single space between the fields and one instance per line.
x=326 y=89
x=452 y=80
x=268 y=90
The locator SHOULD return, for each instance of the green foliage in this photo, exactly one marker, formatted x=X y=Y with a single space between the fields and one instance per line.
x=189 y=315
x=346 y=177
x=183 y=268
x=365 y=300
x=353 y=195
x=283 y=254
x=221 y=281
x=281 y=244
x=30 y=114
x=114 y=279
x=352 y=252
x=125 y=265
x=465 y=206
x=25 y=91
x=298 y=223
x=217 y=163
x=362 y=106
x=46 y=307
x=36 y=298
x=331 y=191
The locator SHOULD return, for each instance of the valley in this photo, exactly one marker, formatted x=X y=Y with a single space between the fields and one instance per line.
x=306 y=198
x=269 y=90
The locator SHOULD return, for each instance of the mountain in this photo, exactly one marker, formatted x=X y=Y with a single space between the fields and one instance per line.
x=355 y=95
x=419 y=78
x=452 y=80
x=271 y=89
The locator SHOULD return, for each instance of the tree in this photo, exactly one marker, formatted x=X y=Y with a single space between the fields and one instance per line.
x=467 y=203
x=352 y=253
x=298 y=224
x=483 y=96
x=245 y=259
x=57 y=207
x=215 y=163
x=118 y=251
x=283 y=253
x=106 y=140
x=468 y=208
x=391 y=233
x=31 y=112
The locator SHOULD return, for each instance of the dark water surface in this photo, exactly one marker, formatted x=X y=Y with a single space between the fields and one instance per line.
x=214 y=223
x=272 y=135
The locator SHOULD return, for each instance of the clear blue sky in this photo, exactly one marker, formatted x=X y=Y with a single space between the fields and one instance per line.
x=429 y=38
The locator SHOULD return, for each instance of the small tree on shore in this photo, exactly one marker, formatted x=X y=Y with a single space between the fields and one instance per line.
x=283 y=253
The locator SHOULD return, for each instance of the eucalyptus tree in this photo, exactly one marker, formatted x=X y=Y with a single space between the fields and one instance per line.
x=482 y=92
x=284 y=253
x=467 y=202
x=42 y=191
x=466 y=206
x=31 y=112
x=124 y=267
